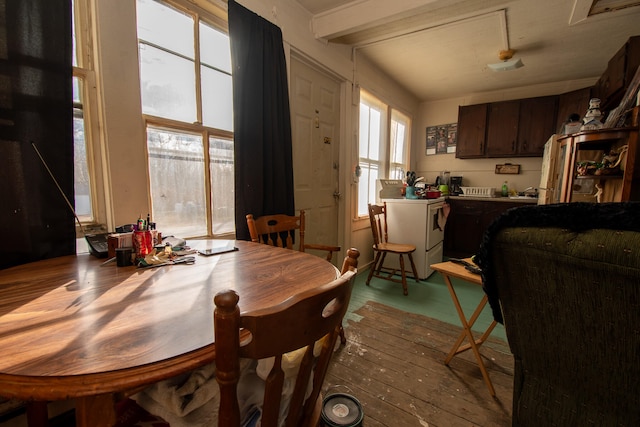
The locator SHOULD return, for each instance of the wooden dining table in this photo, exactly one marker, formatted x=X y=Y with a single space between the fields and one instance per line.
x=73 y=327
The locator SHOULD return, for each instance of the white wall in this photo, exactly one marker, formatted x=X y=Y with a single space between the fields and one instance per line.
x=481 y=172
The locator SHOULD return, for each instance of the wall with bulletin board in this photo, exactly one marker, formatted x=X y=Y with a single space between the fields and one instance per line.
x=442 y=139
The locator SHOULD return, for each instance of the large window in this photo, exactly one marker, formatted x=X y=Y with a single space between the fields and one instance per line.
x=383 y=147
x=185 y=80
x=84 y=118
x=398 y=145
x=372 y=120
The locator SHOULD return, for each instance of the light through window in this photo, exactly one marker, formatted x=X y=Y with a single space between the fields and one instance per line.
x=372 y=113
x=83 y=93
x=382 y=153
x=186 y=90
x=398 y=144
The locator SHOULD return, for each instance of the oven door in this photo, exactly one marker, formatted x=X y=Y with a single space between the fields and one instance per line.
x=436 y=220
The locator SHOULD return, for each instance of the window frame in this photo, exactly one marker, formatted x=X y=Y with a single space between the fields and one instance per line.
x=208 y=16
x=86 y=73
x=388 y=115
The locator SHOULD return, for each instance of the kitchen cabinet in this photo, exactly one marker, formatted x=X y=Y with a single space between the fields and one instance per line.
x=517 y=128
x=472 y=125
x=617 y=185
x=576 y=101
x=502 y=128
x=468 y=220
x=621 y=68
x=536 y=123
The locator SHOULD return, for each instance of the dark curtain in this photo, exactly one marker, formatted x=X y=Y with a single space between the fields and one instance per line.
x=261 y=119
x=35 y=109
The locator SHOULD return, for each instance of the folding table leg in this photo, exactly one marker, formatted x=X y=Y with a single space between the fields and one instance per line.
x=467 y=333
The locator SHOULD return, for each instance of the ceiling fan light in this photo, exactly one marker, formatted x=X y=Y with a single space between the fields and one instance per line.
x=507 y=65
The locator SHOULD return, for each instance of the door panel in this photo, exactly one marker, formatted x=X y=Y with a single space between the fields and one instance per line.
x=315 y=109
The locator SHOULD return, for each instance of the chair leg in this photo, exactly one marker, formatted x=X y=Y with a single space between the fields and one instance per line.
x=373 y=268
x=413 y=267
x=405 y=290
x=343 y=338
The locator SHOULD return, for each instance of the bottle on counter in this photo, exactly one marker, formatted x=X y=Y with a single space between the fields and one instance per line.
x=505 y=189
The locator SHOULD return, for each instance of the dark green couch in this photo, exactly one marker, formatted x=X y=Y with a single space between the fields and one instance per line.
x=565 y=281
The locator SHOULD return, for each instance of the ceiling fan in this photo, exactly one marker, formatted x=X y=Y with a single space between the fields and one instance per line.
x=508 y=62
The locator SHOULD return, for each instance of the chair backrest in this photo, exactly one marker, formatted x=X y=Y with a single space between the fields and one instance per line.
x=304 y=322
x=277 y=230
x=280 y=230
x=566 y=282
x=378 y=219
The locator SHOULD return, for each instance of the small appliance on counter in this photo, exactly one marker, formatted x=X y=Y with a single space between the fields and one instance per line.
x=455 y=187
x=390 y=188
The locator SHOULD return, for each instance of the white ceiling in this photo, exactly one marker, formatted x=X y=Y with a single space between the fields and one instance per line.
x=439 y=49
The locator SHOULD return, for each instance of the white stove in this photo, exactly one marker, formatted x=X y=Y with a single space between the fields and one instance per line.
x=419 y=222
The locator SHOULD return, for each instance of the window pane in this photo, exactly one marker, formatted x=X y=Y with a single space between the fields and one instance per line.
x=164 y=26
x=217 y=99
x=74 y=43
x=222 y=185
x=176 y=172
x=167 y=83
x=364 y=131
x=82 y=180
x=367 y=187
x=397 y=142
x=214 y=48
x=374 y=134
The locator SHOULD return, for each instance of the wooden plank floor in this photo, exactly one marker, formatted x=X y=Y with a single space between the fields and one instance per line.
x=393 y=364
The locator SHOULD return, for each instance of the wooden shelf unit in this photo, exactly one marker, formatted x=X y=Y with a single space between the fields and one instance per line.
x=592 y=145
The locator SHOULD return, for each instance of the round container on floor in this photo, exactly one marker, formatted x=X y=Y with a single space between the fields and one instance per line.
x=341 y=410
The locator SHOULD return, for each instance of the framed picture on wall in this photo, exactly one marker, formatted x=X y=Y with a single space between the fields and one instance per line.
x=452 y=137
x=442 y=139
x=431 y=141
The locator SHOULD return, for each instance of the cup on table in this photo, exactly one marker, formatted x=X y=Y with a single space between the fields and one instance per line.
x=123 y=257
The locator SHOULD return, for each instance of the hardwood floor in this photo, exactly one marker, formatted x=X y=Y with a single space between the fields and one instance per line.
x=393 y=360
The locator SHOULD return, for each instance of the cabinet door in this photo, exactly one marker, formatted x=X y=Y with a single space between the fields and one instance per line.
x=575 y=102
x=493 y=210
x=502 y=128
x=472 y=122
x=536 y=124
x=463 y=232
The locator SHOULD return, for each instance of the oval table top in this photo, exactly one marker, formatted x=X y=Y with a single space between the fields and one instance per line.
x=80 y=328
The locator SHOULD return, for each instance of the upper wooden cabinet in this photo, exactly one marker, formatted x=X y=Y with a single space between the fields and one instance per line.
x=502 y=128
x=621 y=68
x=518 y=128
x=536 y=124
x=574 y=102
x=472 y=125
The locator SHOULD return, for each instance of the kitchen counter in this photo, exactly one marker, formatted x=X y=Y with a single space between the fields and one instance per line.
x=470 y=217
x=523 y=200
x=419 y=200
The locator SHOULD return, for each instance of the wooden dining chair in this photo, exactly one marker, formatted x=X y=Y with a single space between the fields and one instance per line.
x=280 y=230
x=303 y=322
x=382 y=247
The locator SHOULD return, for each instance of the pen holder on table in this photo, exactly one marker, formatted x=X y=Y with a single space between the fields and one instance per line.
x=142 y=242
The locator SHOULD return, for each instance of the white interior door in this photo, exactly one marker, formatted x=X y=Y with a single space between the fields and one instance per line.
x=315 y=110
